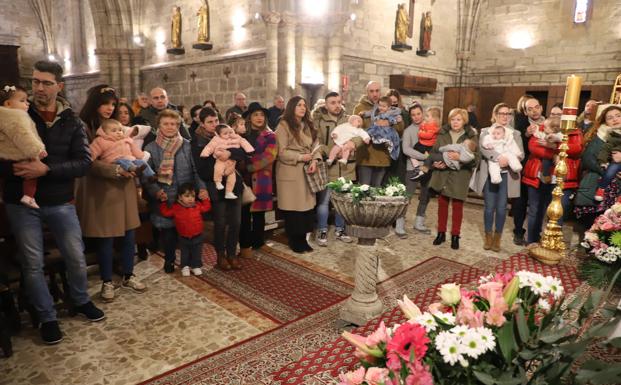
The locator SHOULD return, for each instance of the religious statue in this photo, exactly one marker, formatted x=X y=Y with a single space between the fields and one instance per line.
x=175 y=33
x=203 y=28
x=402 y=29
x=425 y=32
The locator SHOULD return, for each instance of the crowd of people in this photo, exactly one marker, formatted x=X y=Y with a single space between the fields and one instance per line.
x=84 y=175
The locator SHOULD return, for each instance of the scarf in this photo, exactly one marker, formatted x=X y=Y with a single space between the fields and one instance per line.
x=170 y=147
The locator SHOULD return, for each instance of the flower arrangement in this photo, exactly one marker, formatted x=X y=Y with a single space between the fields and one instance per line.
x=394 y=188
x=603 y=241
x=511 y=329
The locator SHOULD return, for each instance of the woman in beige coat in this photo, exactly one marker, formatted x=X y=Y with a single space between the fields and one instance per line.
x=296 y=138
x=107 y=200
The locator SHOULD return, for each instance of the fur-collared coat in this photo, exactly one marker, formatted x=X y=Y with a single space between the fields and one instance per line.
x=19 y=139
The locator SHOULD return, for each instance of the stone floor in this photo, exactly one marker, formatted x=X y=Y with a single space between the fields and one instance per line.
x=180 y=319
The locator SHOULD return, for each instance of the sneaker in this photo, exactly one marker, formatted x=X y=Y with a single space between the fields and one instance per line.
x=341 y=236
x=30 y=202
x=322 y=238
x=197 y=271
x=185 y=271
x=418 y=176
x=343 y=161
x=50 y=333
x=599 y=195
x=518 y=239
x=219 y=186
x=134 y=284
x=91 y=312
x=329 y=162
x=401 y=235
x=230 y=195
x=107 y=291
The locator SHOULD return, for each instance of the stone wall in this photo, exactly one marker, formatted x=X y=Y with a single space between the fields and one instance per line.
x=368 y=56
x=559 y=47
x=247 y=73
x=76 y=87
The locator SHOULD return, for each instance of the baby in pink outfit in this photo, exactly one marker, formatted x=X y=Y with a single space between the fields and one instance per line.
x=112 y=145
x=225 y=139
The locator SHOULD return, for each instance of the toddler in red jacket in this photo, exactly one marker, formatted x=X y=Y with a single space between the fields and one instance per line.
x=427 y=134
x=186 y=214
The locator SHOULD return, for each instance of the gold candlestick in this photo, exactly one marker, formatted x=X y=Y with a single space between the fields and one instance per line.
x=552 y=248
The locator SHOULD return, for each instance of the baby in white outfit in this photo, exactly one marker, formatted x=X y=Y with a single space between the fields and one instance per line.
x=506 y=146
x=342 y=136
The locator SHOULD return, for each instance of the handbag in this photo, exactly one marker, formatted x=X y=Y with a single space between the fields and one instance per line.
x=318 y=180
x=247 y=195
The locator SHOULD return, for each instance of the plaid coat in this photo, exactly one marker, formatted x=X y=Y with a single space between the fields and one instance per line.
x=261 y=165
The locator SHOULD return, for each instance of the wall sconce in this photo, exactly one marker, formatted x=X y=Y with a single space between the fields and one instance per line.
x=226 y=71
x=520 y=39
x=165 y=77
x=139 y=40
x=193 y=76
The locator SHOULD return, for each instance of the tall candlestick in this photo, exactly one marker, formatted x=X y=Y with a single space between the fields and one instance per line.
x=572 y=91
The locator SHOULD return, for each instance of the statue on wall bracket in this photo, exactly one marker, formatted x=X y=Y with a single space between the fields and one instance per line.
x=426 y=26
x=175 y=33
x=202 y=42
x=403 y=28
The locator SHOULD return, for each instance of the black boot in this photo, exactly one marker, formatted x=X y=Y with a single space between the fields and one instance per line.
x=439 y=239
x=454 y=242
x=296 y=244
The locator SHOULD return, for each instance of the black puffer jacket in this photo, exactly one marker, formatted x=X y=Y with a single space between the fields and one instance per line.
x=69 y=157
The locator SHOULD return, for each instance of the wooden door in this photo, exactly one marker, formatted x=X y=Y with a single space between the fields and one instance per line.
x=9 y=69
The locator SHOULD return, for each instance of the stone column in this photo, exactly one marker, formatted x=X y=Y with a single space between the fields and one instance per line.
x=335 y=53
x=120 y=68
x=289 y=24
x=272 y=19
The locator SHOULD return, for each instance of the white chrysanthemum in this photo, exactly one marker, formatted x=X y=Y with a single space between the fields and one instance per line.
x=526 y=278
x=447 y=318
x=460 y=330
x=346 y=186
x=364 y=187
x=544 y=304
x=488 y=338
x=472 y=344
x=555 y=286
x=448 y=345
x=427 y=320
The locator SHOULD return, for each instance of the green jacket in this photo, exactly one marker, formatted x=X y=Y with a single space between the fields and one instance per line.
x=591 y=172
x=454 y=183
x=373 y=154
x=324 y=124
x=613 y=143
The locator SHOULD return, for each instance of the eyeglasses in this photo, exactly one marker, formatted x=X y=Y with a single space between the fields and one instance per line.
x=45 y=83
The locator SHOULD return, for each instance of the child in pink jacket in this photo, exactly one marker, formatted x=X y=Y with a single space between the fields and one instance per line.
x=112 y=145
x=225 y=139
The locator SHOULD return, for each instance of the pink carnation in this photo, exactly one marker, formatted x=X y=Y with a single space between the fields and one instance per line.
x=377 y=336
x=376 y=376
x=490 y=290
x=355 y=377
x=419 y=374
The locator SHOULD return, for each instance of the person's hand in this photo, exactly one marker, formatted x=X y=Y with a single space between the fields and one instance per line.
x=161 y=195
x=399 y=119
x=203 y=194
x=439 y=165
x=453 y=155
x=334 y=135
x=530 y=130
x=619 y=175
x=306 y=157
x=126 y=174
x=30 y=169
x=367 y=140
x=616 y=156
x=503 y=161
x=312 y=167
x=43 y=154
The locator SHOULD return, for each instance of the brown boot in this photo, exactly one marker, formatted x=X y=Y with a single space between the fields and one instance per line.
x=235 y=263
x=496 y=242
x=223 y=264
x=488 y=241
x=245 y=252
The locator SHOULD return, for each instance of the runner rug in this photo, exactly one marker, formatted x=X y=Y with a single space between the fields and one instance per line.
x=322 y=366
x=255 y=360
x=274 y=286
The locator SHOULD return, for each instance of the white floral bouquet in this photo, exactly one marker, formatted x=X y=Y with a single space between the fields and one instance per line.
x=511 y=329
x=603 y=242
x=360 y=192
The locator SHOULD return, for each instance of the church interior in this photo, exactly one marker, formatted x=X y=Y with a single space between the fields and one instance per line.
x=278 y=320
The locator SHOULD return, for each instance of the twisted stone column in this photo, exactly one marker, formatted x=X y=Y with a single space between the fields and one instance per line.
x=364 y=304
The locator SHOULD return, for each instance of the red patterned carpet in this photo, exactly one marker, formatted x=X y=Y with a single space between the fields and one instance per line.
x=337 y=356
x=255 y=360
x=279 y=289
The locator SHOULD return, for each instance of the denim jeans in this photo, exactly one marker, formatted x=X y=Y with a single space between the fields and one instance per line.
x=609 y=175
x=567 y=205
x=423 y=195
x=371 y=175
x=127 y=164
x=63 y=223
x=538 y=201
x=105 y=255
x=323 y=210
x=495 y=197
x=191 y=251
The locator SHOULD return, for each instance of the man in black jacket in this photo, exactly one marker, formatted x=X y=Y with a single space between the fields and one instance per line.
x=68 y=158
